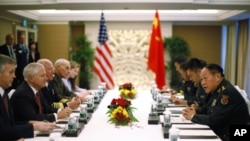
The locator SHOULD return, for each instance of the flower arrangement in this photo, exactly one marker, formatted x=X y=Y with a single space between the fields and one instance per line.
x=121 y=112
x=127 y=91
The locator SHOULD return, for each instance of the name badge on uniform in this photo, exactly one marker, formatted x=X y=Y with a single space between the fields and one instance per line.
x=214 y=102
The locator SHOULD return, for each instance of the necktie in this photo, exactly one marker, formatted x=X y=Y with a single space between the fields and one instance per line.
x=23 y=48
x=38 y=102
x=5 y=101
x=12 y=53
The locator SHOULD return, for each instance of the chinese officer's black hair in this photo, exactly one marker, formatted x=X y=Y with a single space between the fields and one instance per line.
x=183 y=66
x=195 y=63
x=214 y=68
x=180 y=59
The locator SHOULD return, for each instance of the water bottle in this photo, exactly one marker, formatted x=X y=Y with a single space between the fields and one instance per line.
x=100 y=91
x=173 y=134
x=72 y=124
x=104 y=87
x=96 y=96
x=83 y=113
x=154 y=86
x=167 y=118
x=159 y=99
x=90 y=103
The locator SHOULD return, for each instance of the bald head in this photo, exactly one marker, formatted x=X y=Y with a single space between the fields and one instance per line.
x=9 y=39
x=48 y=65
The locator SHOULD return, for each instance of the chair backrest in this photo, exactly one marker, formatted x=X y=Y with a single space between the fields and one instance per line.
x=11 y=92
x=244 y=95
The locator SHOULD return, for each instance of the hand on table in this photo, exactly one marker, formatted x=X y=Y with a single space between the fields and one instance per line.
x=64 y=113
x=188 y=113
x=74 y=103
x=43 y=126
x=178 y=101
x=195 y=105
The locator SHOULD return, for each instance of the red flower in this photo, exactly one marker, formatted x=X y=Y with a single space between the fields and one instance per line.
x=121 y=102
x=113 y=102
x=127 y=85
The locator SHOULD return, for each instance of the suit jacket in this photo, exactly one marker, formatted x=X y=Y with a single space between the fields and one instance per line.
x=48 y=98
x=25 y=107
x=60 y=89
x=10 y=131
x=4 y=50
x=22 y=61
x=37 y=57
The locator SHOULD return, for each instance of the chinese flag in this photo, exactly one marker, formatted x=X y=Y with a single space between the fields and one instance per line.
x=156 y=52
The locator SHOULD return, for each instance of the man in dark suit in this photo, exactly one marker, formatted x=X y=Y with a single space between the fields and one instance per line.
x=9 y=130
x=7 y=48
x=22 y=57
x=27 y=104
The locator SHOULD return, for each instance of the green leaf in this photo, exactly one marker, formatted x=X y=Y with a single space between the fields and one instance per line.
x=84 y=55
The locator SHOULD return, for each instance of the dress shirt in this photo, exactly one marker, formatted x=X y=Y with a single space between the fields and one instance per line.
x=1 y=91
x=67 y=84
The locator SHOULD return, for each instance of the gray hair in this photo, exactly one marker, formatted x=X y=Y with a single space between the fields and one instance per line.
x=43 y=61
x=31 y=70
x=60 y=62
x=5 y=60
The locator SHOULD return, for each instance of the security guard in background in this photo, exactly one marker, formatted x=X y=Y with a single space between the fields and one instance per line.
x=224 y=107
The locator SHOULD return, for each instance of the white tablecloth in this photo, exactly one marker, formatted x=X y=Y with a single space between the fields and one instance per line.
x=98 y=129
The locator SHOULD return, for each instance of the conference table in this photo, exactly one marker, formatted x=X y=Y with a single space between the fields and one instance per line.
x=98 y=128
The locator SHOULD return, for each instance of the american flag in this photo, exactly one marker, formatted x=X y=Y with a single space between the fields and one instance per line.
x=102 y=62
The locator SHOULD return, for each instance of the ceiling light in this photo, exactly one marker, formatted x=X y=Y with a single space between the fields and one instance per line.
x=125 y=11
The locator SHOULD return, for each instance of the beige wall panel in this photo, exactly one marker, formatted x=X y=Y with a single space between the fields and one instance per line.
x=53 y=41
x=5 y=28
x=204 y=41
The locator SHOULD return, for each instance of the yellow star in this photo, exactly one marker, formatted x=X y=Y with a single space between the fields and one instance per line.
x=155 y=22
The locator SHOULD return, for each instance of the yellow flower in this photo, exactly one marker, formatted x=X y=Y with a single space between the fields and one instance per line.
x=133 y=91
x=125 y=113
x=122 y=91
x=119 y=109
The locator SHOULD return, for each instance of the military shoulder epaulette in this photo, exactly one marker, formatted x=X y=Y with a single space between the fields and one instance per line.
x=221 y=89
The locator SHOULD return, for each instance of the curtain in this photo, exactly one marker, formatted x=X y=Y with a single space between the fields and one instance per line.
x=241 y=52
x=247 y=70
x=230 y=64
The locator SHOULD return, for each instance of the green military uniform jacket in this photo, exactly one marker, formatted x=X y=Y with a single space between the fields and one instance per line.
x=200 y=96
x=60 y=89
x=224 y=107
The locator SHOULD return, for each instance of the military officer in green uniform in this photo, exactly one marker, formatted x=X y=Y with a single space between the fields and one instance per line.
x=193 y=68
x=224 y=106
x=188 y=88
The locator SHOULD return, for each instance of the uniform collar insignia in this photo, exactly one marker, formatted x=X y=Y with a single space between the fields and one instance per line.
x=222 y=88
x=214 y=102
